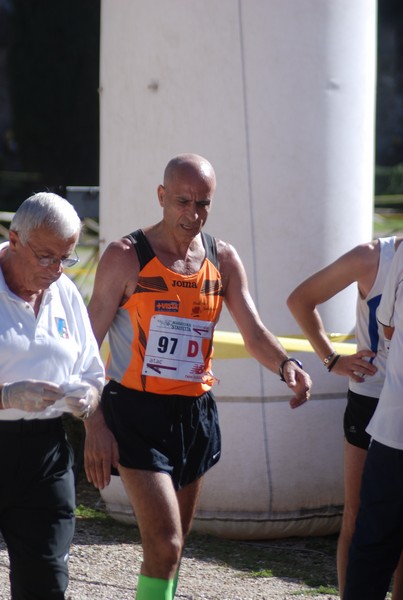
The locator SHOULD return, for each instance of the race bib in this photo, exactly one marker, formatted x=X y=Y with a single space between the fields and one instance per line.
x=174 y=348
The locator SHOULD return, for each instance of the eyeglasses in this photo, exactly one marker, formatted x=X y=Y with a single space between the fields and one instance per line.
x=47 y=261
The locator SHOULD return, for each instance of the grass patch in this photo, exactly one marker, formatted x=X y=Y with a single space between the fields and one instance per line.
x=84 y=512
x=307 y=561
x=386 y=224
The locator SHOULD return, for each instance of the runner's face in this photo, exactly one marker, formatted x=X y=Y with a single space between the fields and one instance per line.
x=186 y=202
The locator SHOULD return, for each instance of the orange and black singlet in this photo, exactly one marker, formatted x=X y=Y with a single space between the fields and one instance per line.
x=161 y=339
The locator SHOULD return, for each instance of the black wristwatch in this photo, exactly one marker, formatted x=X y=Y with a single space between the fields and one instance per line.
x=290 y=359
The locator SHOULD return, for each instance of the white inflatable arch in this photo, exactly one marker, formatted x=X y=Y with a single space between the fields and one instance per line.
x=279 y=96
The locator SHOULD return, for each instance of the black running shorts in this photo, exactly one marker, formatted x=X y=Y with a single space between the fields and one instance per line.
x=177 y=435
x=358 y=413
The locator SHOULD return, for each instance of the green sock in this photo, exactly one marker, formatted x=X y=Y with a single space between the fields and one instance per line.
x=151 y=588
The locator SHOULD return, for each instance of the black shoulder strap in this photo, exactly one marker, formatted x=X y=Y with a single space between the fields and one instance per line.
x=210 y=247
x=144 y=251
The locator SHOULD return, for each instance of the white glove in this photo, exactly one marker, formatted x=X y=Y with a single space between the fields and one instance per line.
x=30 y=395
x=79 y=398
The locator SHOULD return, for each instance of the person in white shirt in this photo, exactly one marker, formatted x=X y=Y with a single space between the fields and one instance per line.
x=366 y=265
x=377 y=542
x=49 y=364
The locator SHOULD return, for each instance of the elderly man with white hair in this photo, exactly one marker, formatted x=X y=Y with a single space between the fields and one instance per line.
x=49 y=364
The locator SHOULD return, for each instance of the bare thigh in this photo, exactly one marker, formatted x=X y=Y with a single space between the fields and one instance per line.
x=187 y=498
x=354 y=461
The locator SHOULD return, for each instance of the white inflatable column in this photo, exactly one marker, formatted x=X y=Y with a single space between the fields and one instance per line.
x=279 y=96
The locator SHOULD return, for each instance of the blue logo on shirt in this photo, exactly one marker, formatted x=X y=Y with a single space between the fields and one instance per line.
x=62 y=327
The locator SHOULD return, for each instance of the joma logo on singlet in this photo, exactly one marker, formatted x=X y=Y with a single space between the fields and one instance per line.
x=184 y=284
x=166 y=306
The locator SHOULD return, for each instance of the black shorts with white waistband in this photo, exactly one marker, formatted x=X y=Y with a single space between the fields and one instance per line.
x=358 y=413
x=177 y=435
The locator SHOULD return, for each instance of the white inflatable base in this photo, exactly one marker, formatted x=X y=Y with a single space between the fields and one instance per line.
x=236 y=526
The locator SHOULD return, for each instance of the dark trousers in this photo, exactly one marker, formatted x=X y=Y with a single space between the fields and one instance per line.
x=37 y=503
x=378 y=538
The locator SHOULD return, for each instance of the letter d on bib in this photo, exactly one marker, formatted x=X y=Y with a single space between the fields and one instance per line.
x=193 y=348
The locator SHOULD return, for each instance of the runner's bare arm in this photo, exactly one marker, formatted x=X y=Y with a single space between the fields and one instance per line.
x=360 y=266
x=259 y=341
x=112 y=287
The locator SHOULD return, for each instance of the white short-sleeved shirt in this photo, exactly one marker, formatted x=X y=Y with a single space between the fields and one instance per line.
x=57 y=345
x=386 y=426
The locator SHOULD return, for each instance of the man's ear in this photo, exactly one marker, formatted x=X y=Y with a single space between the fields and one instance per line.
x=161 y=194
x=12 y=238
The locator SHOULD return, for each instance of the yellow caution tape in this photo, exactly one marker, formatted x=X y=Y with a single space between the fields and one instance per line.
x=229 y=344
